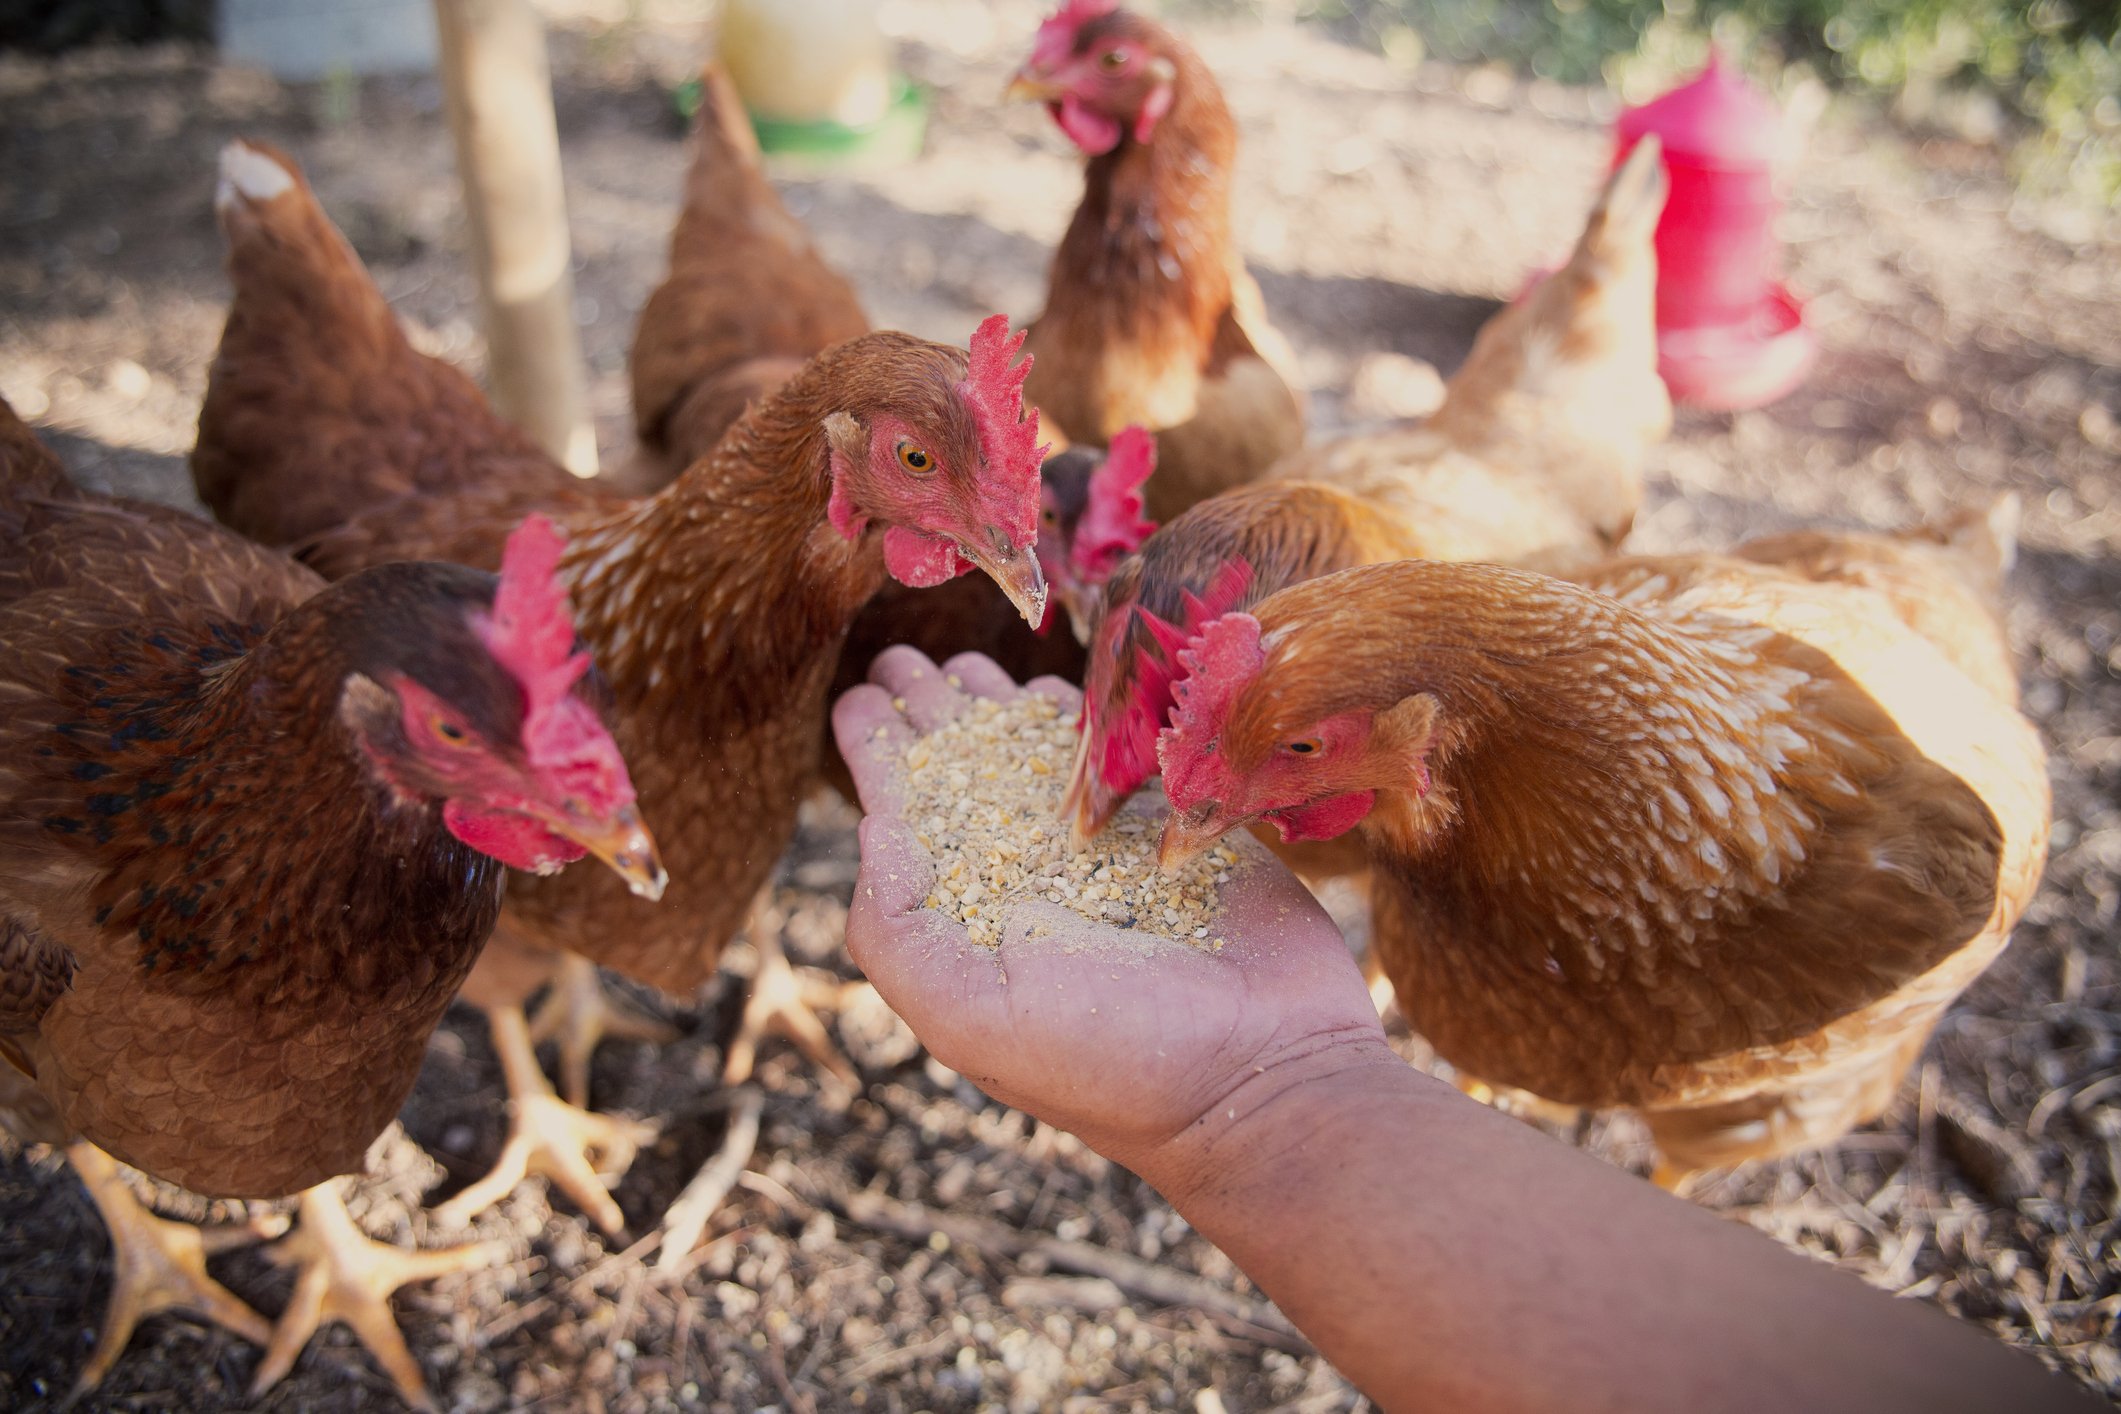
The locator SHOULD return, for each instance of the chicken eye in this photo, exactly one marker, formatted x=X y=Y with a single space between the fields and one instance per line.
x=1048 y=517
x=1304 y=747
x=450 y=732
x=1113 y=59
x=915 y=459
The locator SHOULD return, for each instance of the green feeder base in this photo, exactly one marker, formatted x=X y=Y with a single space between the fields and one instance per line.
x=894 y=137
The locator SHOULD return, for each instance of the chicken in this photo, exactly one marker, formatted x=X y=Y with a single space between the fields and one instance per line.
x=1150 y=315
x=254 y=829
x=375 y=414
x=1697 y=837
x=747 y=302
x=1534 y=459
x=716 y=609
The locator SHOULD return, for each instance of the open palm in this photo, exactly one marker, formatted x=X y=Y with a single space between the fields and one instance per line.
x=1123 y=1038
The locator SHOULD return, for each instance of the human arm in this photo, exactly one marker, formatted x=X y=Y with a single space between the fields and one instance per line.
x=1442 y=1255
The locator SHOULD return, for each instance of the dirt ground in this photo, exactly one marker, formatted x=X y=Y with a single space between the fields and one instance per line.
x=918 y=1247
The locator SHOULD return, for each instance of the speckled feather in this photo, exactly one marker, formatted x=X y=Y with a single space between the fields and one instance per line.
x=1150 y=316
x=1945 y=581
x=1719 y=843
x=259 y=943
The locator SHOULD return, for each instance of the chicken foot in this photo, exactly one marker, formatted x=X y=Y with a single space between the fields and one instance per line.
x=579 y=1012
x=158 y=1265
x=343 y=1275
x=785 y=1002
x=687 y=1218
x=580 y=1152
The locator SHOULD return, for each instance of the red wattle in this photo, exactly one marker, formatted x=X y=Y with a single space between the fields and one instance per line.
x=921 y=561
x=516 y=840
x=1093 y=132
x=1324 y=820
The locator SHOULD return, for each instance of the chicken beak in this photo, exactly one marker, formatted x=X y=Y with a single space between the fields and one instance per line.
x=1188 y=834
x=1027 y=87
x=624 y=843
x=1017 y=572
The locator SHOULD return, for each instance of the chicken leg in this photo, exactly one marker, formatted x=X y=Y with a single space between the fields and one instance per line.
x=578 y=1012
x=159 y=1266
x=345 y=1276
x=785 y=1002
x=577 y=1150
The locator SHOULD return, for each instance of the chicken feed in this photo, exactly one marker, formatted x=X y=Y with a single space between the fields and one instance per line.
x=983 y=795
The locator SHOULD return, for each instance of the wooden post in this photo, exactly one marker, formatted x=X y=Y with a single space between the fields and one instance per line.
x=498 y=84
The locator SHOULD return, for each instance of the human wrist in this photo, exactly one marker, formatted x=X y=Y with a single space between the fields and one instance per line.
x=1277 y=1116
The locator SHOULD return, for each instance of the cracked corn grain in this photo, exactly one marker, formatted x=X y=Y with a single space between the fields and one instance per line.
x=983 y=795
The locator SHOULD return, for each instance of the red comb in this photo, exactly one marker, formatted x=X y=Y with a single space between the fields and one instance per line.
x=1130 y=744
x=1056 y=37
x=994 y=391
x=1220 y=660
x=1112 y=526
x=531 y=633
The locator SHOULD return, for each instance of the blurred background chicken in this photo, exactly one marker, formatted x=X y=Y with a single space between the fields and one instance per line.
x=747 y=300
x=1150 y=317
x=1696 y=836
x=716 y=608
x=1534 y=458
x=254 y=829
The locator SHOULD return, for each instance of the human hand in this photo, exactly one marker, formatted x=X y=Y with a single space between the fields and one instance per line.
x=1126 y=1039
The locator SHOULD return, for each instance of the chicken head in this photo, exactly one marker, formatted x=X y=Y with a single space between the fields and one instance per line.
x=1102 y=74
x=484 y=712
x=1248 y=742
x=951 y=473
x=1090 y=518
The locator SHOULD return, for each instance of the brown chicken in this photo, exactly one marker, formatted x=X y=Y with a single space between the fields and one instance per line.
x=716 y=608
x=254 y=829
x=1534 y=459
x=1695 y=836
x=1150 y=315
x=374 y=412
x=748 y=300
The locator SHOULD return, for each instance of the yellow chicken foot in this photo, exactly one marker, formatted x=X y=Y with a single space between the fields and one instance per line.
x=159 y=1265
x=579 y=1012
x=580 y=1152
x=785 y=1002
x=345 y=1276
x=687 y=1218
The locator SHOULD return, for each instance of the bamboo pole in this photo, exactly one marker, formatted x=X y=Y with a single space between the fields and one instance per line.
x=498 y=84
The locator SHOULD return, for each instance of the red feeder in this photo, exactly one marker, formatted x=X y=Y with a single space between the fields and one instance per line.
x=1729 y=335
